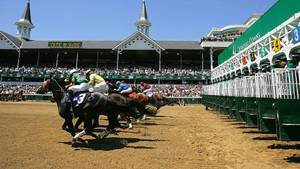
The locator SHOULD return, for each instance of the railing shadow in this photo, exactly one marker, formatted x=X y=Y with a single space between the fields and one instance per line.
x=285 y=146
x=293 y=159
x=265 y=138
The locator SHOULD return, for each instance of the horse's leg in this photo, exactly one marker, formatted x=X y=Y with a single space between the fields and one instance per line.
x=96 y=120
x=129 y=122
x=88 y=123
x=112 y=122
x=70 y=125
x=79 y=121
x=127 y=118
x=64 y=126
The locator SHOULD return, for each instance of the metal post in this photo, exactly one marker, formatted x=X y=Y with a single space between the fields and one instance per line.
x=76 y=65
x=19 y=57
x=38 y=59
x=97 y=61
x=211 y=58
x=118 y=53
x=159 y=62
x=180 y=60
x=56 y=63
x=202 y=61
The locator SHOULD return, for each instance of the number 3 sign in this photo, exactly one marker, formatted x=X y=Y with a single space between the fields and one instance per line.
x=296 y=35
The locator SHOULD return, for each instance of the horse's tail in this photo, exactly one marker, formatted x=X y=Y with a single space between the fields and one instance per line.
x=115 y=106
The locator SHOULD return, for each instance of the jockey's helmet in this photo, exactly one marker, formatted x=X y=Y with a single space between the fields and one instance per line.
x=88 y=72
x=118 y=83
x=72 y=71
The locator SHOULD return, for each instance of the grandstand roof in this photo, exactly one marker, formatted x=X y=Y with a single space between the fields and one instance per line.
x=110 y=44
x=17 y=42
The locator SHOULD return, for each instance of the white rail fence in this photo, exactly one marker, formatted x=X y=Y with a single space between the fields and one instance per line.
x=280 y=84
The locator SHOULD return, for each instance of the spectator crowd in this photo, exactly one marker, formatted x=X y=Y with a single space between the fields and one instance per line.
x=177 y=90
x=110 y=70
x=15 y=92
x=164 y=90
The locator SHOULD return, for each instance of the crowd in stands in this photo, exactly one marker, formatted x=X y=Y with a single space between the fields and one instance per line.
x=177 y=91
x=167 y=90
x=11 y=89
x=110 y=70
x=15 y=93
x=222 y=39
x=229 y=37
x=164 y=90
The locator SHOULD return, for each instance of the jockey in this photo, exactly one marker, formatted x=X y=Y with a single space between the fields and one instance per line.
x=96 y=82
x=77 y=84
x=146 y=88
x=124 y=89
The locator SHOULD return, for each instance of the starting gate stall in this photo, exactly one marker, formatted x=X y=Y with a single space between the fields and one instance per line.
x=265 y=103
x=251 y=101
x=232 y=98
x=227 y=98
x=287 y=93
x=240 y=98
x=223 y=94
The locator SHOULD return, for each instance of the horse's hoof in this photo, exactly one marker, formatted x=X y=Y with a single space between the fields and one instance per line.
x=74 y=140
x=144 y=117
x=130 y=126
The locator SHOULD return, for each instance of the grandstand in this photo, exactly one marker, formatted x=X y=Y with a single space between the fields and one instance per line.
x=219 y=39
x=137 y=58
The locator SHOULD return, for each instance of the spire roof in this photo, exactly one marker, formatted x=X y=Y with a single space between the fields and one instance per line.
x=143 y=15
x=26 y=17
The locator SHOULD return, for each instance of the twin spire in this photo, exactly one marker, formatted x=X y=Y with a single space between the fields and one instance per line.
x=24 y=24
x=143 y=24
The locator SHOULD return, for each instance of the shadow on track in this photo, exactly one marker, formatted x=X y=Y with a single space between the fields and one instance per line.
x=265 y=138
x=285 y=146
x=293 y=159
x=109 y=144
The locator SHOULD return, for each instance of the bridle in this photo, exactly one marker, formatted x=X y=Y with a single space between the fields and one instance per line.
x=61 y=88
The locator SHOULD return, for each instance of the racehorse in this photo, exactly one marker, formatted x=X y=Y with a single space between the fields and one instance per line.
x=93 y=104
x=132 y=100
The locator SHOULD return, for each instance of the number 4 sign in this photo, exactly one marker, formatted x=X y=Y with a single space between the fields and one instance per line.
x=296 y=35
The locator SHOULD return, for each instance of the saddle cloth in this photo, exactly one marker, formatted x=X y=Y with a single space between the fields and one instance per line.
x=79 y=97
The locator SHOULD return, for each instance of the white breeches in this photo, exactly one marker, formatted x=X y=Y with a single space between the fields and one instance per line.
x=101 y=88
x=148 y=90
x=79 y=88
x=129 y=90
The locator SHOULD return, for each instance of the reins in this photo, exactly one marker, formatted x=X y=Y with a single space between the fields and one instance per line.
x=61 y=88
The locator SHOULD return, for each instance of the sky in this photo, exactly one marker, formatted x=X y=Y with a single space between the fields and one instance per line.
x=114 y=19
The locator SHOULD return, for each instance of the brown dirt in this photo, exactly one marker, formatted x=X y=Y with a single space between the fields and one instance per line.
x=179 y=137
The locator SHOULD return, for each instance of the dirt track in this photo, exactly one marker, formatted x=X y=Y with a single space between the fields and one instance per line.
x=179 y=137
